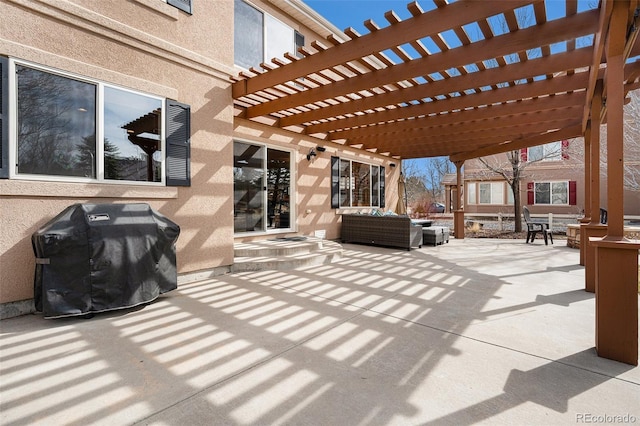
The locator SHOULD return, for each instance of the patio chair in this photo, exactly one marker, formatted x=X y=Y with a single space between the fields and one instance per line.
x=603 y=216
x=535 y=226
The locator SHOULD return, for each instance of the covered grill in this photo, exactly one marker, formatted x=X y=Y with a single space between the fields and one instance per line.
x=100 y=257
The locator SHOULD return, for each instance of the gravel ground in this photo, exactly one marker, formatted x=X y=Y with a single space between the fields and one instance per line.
x=495 y=229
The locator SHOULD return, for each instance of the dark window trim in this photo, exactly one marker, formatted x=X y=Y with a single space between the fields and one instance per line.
x=184 y=5
x=178 y=144
x=335 y=183
x=176 y=180
x=571 y=193
x=4 y=122
x=382 y=184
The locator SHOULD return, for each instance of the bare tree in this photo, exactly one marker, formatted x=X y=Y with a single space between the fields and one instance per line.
x=631 y=145
x=439 y=166
x=423 y=179
x=511 y=171
x=511 y=167
x=632 y=142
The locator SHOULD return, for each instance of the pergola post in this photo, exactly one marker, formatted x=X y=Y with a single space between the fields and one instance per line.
x=458 y=214
x=616 y=257
x=587 y=173
x=593 y=228
x=587 y=190
x=448 y=200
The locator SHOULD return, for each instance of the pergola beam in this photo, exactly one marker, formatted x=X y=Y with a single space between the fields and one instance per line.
x=462 y=118
x=436 y=21
x=351 y=93
x=492 y=76
x=531 y=90
x=551 y=32
x=473 y=130
x=566 y=133
x=598 y=52
x=472 y=139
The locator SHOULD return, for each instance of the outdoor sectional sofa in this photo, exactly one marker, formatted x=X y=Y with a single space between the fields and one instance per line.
x=388 y=231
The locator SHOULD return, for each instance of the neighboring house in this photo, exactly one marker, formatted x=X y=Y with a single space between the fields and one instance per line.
x=131 y=101
x=548 y=183
x=552 y=181
x=552 y=178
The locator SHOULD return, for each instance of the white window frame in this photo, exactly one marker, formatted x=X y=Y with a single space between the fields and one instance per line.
x=471 y=193
x=550 y=152
x=265 y=37
x=493 y=193
x=100 y=85
x=509 y=194
x=551 y=203
x=291 y=49
x=293 y=224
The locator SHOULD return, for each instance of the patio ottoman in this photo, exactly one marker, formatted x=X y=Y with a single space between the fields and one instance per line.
x=435 y=235
x=445 y=233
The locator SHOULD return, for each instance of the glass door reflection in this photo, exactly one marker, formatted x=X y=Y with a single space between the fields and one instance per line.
x=249 y=189
x=278 y=189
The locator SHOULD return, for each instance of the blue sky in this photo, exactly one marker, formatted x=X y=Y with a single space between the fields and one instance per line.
x=352 y=13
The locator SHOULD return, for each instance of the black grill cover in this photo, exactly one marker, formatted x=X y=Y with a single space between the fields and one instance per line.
x=99 y=257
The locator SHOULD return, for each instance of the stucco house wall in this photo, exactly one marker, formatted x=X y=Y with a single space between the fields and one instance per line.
x=152 y=47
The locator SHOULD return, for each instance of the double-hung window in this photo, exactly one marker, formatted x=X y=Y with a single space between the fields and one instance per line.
x=553 y=193
x=491 y=192
x=67 y=127
x=554 y=151
x=185 y=5
x=471 y=193
x=259 y=37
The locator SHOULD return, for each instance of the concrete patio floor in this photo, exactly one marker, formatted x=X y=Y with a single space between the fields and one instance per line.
x=477 y=331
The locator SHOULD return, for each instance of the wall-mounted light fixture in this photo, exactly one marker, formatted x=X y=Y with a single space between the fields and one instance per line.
x=312 y=153
x=392 y=165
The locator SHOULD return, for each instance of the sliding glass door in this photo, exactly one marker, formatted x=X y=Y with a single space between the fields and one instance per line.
x=262 y=188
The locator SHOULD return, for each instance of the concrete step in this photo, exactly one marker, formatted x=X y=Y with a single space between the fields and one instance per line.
x=282 y=255
x=276 y=247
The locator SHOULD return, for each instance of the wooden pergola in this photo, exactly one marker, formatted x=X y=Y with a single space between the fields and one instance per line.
x=474 y=78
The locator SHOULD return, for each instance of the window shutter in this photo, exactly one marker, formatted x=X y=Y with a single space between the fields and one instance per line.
x=335 y=182
x=4 y=123
x=572 y=193
x=523 y=154
x=565 y=149
x=530 y=194
x=185 y=5
x=382 y=185
x=178 y=131
x=299 y=42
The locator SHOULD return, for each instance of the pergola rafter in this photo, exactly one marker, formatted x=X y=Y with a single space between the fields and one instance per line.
x=506 y=88
x=469 y=81
x=354 y=93
x=462 y=118
x=551 y=32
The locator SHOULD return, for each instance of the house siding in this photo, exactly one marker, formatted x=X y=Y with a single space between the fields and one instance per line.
x=567 y=170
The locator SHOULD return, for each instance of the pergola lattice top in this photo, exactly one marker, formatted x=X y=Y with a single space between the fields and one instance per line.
x=448 y=81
